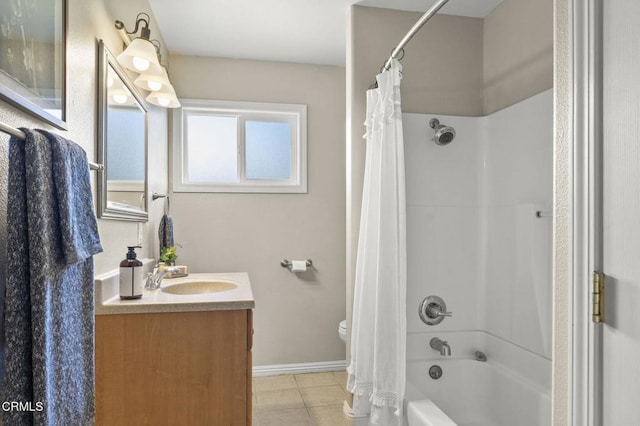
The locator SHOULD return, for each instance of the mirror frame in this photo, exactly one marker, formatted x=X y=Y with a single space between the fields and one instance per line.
x=104 y=210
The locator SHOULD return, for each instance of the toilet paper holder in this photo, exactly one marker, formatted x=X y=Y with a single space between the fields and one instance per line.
x=287 y=263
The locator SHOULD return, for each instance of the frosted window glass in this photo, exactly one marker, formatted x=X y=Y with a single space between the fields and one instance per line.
x=213 y=149
x=268 y=150
x=239 y=147
x=125 y=150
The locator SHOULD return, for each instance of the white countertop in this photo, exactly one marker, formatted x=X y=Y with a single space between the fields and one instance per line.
x=108 y=300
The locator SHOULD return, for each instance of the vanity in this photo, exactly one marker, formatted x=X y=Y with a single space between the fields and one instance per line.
x=178 y=355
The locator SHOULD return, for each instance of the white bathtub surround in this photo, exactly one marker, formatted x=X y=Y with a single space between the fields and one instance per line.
x=474 y=239
x=378 y=329
x=516 y=360
x=532 y=328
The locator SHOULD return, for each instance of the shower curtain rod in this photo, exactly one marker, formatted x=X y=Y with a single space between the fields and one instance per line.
x=20 y=134
x=412 y=32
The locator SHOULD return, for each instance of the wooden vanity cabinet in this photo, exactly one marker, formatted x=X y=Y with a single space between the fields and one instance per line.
x=174 y=368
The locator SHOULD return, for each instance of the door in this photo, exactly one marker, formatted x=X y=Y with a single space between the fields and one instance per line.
x=620 y=382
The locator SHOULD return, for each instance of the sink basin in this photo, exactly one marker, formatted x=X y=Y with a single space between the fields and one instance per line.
x=199 y=287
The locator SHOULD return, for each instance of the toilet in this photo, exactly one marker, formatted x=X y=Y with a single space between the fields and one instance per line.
x=342 y=331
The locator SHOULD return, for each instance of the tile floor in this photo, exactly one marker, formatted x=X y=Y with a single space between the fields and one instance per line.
x=313 y=399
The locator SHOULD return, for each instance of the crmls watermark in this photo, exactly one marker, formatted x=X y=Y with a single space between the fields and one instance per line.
x=22 y=406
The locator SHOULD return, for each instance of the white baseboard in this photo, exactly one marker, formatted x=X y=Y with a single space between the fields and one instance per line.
x=305 y=367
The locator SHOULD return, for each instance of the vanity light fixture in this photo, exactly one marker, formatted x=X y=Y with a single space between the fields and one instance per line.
x=141 y=54
x=120 y=96
x=153 y=82
x=143 y=57
x=164 y=98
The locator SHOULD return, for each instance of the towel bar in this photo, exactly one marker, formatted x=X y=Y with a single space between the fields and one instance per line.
x=20 y=134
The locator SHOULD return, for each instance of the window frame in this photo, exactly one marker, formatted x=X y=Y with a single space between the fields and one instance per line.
x=294 y=114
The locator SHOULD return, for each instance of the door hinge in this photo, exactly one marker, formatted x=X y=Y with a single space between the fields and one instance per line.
x=597 y=301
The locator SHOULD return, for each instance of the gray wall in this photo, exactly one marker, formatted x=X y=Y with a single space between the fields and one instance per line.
x=518 y=52
x=296 y=318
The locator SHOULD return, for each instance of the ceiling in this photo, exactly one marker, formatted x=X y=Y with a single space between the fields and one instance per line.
x=305 y=31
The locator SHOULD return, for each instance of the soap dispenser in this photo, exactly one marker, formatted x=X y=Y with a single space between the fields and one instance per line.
x=131 y=279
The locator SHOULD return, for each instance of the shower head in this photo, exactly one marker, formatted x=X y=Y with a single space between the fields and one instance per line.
x=444 y=134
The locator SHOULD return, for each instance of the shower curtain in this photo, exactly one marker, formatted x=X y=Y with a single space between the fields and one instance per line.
x=378 y=328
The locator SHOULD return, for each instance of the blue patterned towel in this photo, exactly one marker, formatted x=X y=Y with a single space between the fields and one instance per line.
x=52 y=235
x=165 y=232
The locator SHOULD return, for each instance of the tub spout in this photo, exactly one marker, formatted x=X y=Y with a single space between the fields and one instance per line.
x=441 y=346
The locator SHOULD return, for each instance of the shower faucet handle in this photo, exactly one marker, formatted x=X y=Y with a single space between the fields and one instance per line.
x=433 y=310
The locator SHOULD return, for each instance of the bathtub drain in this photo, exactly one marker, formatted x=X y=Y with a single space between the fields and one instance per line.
x=435 y=372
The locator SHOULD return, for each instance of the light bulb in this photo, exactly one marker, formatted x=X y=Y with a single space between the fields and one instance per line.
x=110 y=82
x=140 y=64
x=163 y=101
x=154 y=85
x=120 y=98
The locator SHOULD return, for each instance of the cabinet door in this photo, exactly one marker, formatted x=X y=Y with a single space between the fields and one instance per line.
x=183 y=368
x=249 y=367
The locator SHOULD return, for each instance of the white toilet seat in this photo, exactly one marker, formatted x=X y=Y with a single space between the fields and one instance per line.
x=342 y=330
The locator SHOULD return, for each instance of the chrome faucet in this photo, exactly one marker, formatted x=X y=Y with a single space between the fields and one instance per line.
x=154 y=280
x=441 y=346
x=432 y=310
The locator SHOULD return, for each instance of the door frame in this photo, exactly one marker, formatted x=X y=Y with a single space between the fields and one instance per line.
x=577 y=358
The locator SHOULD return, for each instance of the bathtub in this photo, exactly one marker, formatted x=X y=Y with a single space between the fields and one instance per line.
x=474 y=393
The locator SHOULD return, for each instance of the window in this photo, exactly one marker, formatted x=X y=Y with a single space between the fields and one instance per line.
x=221 y=146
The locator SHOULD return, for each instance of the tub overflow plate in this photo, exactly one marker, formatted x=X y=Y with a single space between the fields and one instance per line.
x=435 y=372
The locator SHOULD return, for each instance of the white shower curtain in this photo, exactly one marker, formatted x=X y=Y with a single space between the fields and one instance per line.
x=378 y=328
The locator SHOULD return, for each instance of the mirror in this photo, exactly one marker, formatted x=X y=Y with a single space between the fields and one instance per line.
x=122 y=143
